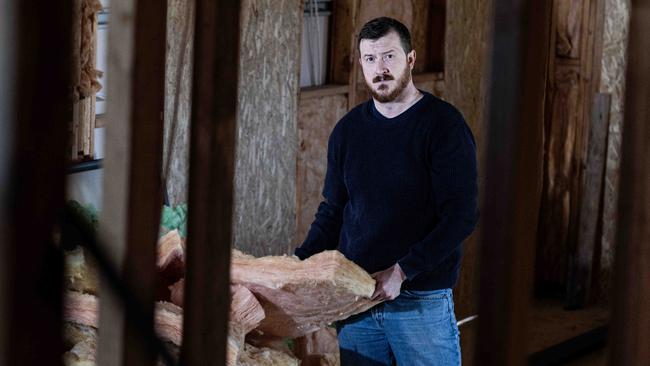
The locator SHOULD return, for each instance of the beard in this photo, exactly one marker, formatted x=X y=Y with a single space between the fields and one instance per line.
x=402 y=83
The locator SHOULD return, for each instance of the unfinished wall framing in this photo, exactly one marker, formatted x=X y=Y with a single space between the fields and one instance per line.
x=574 y=78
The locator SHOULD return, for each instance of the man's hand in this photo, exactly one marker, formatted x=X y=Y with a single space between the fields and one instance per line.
x=389 y=282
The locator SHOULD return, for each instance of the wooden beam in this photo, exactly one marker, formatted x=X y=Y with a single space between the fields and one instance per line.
x=631 y=311
x=212 y=159
x=145 y=181
x=8 y=58
x=343 y=47
x=510 y=208
x=39 y=54
x=582 y=259
x=132 y=185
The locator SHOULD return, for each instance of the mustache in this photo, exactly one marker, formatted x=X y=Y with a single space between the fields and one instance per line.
x=384 y=77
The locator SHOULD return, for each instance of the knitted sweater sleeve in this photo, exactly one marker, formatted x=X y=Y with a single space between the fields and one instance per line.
x=453 y=167
x=326 y=228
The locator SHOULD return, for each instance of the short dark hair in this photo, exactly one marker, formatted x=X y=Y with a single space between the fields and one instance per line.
x=380 y=27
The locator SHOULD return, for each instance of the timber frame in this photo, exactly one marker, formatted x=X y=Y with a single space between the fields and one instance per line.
x=33 y=199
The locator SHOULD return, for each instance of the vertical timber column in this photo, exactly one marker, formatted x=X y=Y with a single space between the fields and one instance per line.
x=8 y=64
x=212 y=163
x=466 y=81
x=510 y=208
x=145 y=171
x=129 y=223
x=344 y=64
x=33 y=189
x=631 y=318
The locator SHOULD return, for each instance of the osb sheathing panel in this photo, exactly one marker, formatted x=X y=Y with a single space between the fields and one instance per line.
x=178 y=86
x=612 y=80
x=465 y=87
x=265 y=191
x=316 y=119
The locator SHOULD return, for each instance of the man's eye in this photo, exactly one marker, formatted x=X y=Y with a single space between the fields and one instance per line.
x=370 y=59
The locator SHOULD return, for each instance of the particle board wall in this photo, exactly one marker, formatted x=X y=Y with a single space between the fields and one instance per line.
x=178 y=87
x=265 y=171
x=316 y=119
x=615 y=33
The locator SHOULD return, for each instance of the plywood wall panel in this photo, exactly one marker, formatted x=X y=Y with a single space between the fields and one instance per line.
x=264 y=219
x=316 y=119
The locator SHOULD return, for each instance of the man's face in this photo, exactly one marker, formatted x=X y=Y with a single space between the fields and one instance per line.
x=386 y=68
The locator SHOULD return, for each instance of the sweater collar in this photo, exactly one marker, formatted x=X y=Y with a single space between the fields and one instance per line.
x=374 y=116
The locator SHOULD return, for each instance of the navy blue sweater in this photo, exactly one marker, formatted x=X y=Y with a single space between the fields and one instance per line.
x=399 y=190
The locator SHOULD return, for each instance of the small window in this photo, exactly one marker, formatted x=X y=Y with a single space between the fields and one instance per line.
x=315 y=41
x=101 y=61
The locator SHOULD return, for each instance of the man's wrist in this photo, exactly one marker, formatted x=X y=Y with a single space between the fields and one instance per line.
x=400 y=272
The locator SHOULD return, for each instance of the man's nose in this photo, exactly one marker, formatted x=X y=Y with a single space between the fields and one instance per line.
x=380 y=67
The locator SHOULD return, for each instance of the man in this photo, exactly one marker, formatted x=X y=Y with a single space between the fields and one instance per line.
x=400 y=196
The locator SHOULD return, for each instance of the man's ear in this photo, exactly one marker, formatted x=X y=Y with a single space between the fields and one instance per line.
x=410 y=57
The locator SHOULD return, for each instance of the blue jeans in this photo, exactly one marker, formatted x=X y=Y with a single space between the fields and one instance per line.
x=417 y=328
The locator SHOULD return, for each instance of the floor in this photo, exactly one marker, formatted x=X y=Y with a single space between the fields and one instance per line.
x=550 y=324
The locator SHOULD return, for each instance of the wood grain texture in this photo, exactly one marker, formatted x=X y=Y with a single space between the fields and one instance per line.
x=569 y=23
x=520 y=52
x=420 y=34
x=342 y=44
x=112 y=220
x=265 y=188
x=37 y=51
x=316 y=119
x=560 y=135
x=581 y=260
x=211 y=183
x=178 y=91
x=631 y=322
x=465 y=86
x=614 y=59
x=575 y=76
x=139 y=199
x=8 y=63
